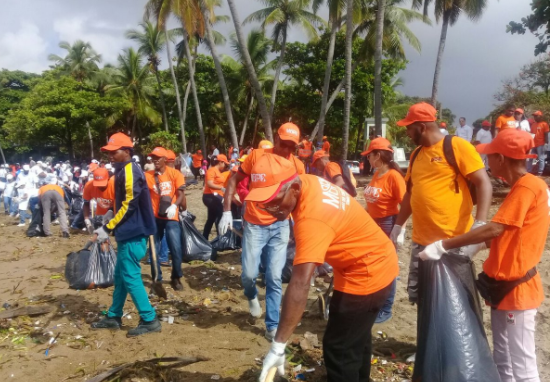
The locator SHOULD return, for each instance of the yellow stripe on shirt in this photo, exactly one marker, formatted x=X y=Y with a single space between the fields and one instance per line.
x=129 y=174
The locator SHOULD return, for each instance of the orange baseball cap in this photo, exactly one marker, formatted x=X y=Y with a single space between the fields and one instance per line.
x=241 y=159
x=511 y=143
x=118 y=141
x=268 y=175
x=443 y=124
x=92 y=167
x=420 y=112
x=222 y=158
x=538 y=113
x=486 y=123
x=101 y=177
x=324 y=137
x=318 y=154
x=378 y=144
x=159 y=152
x=518 y=110
x=265 y=144
x=289 y=132
x=171 y=156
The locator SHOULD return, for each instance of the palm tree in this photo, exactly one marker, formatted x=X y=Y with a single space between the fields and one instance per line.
x=207 y=8
x=251 y=71
x=81 y=61
x=282 y=14
x=347 y=101
x=450 y=11
x=378 y=66
x=151 y=42
x=132 y=79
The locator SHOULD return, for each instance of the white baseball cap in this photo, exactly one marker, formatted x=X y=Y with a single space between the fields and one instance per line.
x=26 y=167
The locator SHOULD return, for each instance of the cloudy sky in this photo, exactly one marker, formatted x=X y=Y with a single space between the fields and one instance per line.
x=478 y=56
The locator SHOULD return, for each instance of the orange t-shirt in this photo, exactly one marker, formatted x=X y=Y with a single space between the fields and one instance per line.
x=503 y=122
x=305 y=150
x=525 y=212
x=384 y=194
x=539 y=129
x=51 y=187
x=197 y=160
x=105 y=199
x=215 y=175
x=332 y=169
x=252 y=213
x=326 y=146
x=331 y=226
x=439 y=212
x=170 y=182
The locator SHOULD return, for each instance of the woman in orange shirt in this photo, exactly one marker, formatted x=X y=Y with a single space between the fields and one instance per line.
x=383 y=196
x=213 y=192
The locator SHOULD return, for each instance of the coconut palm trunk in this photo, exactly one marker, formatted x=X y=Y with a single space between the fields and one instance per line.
x=378 y=67
x=251 y=71
x=223 y=85
x=178 y=99
x=245 y=123
x=347 y=103
x=442 y=40
x=326 y=83
x=277 y=75
x=162 y=102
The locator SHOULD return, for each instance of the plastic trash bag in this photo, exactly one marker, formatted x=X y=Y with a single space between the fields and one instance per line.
x=91 y=267
x=452 y=345
x=35 y=228
x=229 y=241
x=196 y=247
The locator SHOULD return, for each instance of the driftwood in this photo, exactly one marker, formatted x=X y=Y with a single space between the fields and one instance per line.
x=176 y=362
x=26 y=311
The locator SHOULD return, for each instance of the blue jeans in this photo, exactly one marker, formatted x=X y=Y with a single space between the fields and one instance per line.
x=274 y=238
x=23 y=215
x=128 y=279
x=78 y=222
x=170 y=229
x=9 y=206
x=386 y=224
x=33 y=202
x=541 y=159
x=163 y=253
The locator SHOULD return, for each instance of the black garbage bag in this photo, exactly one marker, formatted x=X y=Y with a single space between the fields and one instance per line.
x=35 y=228
x=230 y=241
x=195 y=247
x=452 y=345
x=91 y=267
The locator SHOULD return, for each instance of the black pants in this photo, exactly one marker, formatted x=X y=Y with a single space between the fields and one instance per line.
x=347 y=345
x=195 y=171
x=215 y=210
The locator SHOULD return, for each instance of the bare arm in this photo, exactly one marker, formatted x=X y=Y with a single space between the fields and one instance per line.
x=234 y=179
x=484 y=191
x=405 y=211
x=339 y=181
x=294 y=301
x=484 y=233
x=181 y=200
x=86 y=210
x=545 y=137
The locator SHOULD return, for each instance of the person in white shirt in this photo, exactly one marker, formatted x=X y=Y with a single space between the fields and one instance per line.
x=9 y=206
x=463 y=130
x=23 y=202
x=484 y=135
x=443 y=128
x=522 y=123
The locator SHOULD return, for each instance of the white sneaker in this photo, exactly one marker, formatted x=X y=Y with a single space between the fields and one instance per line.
x=255 y=308
x=56 y=222
x=21 y=224
x=270 y=334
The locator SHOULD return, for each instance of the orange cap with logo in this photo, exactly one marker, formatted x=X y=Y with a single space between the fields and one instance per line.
x=268 y=175
x=265 y=144
x=222 y=158
x=101 y=177
x=289 y=132
x=511 y=143
x=159 y=152
x=171 y=156
x=378 y=144
x=420 y=112
x=318 y=154
x=118 y=141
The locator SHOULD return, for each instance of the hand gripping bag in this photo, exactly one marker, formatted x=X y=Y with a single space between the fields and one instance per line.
x=230 y=241
x=452 y=345
x=195 y=246
x=91 y=267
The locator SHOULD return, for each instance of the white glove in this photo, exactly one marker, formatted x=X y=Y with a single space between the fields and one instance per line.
x=107 y=217
x=274 y=358
x=433 y=251
x=102 y=235
x=171 y=211
x=226 y=222
x=472 y=249
x=477 y=224
x=397 y=235
x=89 y=225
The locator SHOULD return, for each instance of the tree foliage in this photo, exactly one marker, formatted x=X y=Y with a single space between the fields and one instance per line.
x=537 y=23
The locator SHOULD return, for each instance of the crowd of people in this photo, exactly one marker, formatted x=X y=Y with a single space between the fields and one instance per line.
x=290 y=189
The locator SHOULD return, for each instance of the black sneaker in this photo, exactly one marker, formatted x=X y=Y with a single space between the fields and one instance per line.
x=145 y=327
x=66 y=235
x=108 y=323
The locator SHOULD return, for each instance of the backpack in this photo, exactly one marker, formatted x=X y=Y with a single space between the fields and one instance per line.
x=346 y=176
x=451 y=160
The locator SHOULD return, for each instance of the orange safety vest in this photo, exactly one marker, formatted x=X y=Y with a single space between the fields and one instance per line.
x=306 y=150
